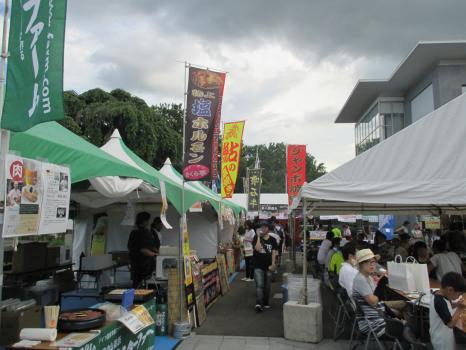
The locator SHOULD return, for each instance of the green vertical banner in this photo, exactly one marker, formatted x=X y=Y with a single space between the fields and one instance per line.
x=34 y=85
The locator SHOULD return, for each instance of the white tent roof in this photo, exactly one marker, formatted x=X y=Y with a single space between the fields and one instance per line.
x=112 y=189
x=419 y=170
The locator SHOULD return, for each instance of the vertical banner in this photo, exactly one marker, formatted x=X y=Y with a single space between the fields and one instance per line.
x=254 y=189
x=231 y=153
x=295 y=170
x=203 y=106
x=34 y=87
x=163 y=210
x=37 y=197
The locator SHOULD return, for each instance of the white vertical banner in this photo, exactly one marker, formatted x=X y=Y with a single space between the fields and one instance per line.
x=163 y=210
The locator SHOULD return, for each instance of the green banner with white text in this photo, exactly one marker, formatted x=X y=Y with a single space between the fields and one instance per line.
x=34 y=87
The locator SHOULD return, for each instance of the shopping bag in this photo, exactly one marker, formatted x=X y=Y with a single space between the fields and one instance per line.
x=400 y=276
x=420 y=273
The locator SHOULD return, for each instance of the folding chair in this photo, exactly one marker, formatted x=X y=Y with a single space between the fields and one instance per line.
x=342 y=311
x=365 y=337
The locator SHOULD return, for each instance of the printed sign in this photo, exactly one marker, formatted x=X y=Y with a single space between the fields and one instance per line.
x=295 y=170
x=37 y=197
x=231 y=153
x=203 y=112
x=254 y=189
x=34 y=87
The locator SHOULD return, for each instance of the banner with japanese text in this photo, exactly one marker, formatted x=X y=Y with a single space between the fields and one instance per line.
x=231 y=153
x=34 y=86
x=203 y=112
x=254 y=189
x=295 y=169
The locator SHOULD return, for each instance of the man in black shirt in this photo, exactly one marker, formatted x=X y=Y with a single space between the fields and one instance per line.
x=155 y=229
x=142 y=250
x=265 y=253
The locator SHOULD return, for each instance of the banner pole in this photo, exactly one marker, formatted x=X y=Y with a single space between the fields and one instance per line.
x=183 y=218
x=304 y=294
x=4 y=136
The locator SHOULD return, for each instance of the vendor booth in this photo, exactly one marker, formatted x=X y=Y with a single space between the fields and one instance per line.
x=109 y=186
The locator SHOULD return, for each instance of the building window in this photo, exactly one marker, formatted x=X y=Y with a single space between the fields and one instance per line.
x=382 y=121
x=422 y=104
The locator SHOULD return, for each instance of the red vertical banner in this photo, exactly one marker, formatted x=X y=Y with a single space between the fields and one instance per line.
x=295 y=169
x=203 y=107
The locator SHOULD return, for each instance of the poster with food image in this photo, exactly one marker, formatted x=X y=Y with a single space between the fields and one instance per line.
x=34 y=202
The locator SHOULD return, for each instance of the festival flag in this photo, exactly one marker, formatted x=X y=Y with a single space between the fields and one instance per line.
x=231 y=153
x=295 y=169
x=203 y=106
x=34 y=87
x=254 y=189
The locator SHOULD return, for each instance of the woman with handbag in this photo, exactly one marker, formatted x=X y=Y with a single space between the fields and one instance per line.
x=248 y=250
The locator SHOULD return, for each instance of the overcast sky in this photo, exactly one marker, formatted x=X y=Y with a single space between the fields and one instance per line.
x=291 y=64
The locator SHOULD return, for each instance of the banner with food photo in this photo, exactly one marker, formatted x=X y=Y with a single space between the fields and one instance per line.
x=295 y=169
x=37 y=197
x=203 y=112
x=231 y=153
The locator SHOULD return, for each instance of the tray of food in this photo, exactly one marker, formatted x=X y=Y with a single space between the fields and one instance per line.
x=80 y=320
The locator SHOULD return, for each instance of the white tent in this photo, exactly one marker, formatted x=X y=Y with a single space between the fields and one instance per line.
x=419 y=170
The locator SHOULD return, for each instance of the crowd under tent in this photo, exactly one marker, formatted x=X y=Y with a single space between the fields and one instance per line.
x=421 y=170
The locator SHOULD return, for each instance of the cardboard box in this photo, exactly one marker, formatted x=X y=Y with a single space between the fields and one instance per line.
x=53 y=256
x=30 y=256
x=14 y=321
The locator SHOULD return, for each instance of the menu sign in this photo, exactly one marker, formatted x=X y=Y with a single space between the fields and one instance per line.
x=203 y=109
x=37 y=197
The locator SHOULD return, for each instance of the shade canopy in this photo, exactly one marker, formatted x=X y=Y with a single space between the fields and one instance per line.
x=419 y=170
x=196 y=186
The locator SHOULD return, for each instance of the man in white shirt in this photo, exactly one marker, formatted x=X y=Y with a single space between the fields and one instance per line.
x=348 y=269
x=324 y=248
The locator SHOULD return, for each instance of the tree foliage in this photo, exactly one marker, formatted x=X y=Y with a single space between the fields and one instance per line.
x=152 y=132
x=273 y=162
x=155 y=133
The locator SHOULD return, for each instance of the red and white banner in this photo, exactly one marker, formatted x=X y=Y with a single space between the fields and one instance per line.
x=295 y=169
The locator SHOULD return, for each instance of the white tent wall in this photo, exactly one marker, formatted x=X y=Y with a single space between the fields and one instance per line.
x=202 y=228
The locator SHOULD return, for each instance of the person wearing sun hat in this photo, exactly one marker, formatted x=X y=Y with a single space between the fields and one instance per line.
x=363 y=293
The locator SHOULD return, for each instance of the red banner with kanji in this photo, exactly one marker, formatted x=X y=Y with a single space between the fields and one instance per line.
x=295 y=169
x=231 y=153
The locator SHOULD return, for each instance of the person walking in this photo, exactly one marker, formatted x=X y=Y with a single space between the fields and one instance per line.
x=265 y=254
x=248 y=250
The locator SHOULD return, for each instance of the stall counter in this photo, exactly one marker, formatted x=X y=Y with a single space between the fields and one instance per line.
x=114 y=335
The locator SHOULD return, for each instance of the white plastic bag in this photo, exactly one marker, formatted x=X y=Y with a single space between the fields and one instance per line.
x=400 y=275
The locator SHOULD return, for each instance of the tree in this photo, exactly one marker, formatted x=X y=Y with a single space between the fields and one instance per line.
x=153 y=132
x=273 y=163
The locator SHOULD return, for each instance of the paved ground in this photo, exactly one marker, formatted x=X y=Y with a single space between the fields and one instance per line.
x=234 y=314
x=204 y=342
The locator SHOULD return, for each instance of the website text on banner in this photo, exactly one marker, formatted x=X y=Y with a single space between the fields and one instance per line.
x=231 y=154
x=295 y=170
x=34 y=87
x=37 y=197
x=203 y=106
x=254 y=189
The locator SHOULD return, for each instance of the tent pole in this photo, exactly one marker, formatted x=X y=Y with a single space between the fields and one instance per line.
x=304 y=294
x=4 y=136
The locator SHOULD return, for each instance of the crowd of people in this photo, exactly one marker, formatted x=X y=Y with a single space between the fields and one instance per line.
x=359 y=266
